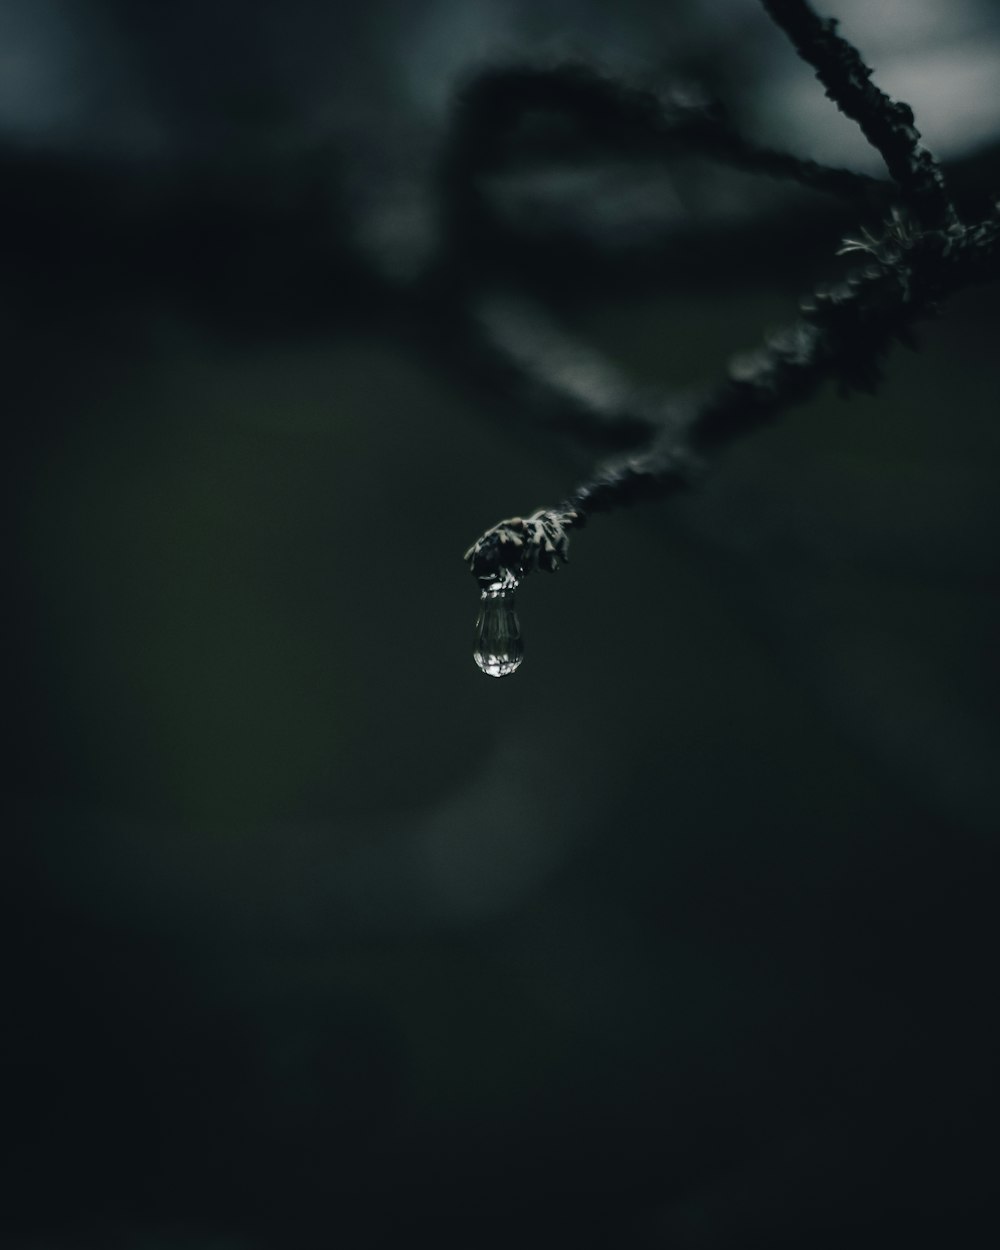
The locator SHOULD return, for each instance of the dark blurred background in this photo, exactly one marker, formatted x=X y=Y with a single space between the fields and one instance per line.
x=685 y=935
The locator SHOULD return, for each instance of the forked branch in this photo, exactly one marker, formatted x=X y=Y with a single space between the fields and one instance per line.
x=843 y=332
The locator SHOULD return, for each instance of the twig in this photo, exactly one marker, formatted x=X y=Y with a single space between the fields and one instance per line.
x=887 y=124
x=619 y=118
x=843 y=333
x=564 y=382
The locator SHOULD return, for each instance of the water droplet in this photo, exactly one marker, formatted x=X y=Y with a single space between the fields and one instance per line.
x=499 y=650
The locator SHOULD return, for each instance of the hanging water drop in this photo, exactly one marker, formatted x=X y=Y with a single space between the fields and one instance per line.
x=498 y=560
x=499 y=650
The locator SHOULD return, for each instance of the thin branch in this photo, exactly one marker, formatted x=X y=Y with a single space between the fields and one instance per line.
x=616 y=117
x=887 y=124
x=843 y=333
x=563 y=381
x=729 y=146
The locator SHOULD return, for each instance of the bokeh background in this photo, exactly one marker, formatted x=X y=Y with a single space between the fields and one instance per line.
x=685 y=935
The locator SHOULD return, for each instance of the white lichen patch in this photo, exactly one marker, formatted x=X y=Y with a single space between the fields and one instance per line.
x=521 y=544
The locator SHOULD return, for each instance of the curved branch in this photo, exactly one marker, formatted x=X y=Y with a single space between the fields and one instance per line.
x=843 y=333
x=614 y=117
x=887 y=124
x=565 y=382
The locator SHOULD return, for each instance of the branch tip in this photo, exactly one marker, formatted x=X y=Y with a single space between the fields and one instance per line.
x=519 y=545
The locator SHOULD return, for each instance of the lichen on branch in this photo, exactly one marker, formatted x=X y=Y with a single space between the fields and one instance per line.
x=923 y=255
x=887 y=124
x=521 y=544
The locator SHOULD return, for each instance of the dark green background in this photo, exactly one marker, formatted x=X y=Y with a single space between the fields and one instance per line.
x=682 y=937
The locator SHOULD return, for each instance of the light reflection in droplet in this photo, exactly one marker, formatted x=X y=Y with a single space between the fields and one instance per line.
x=499 y=649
